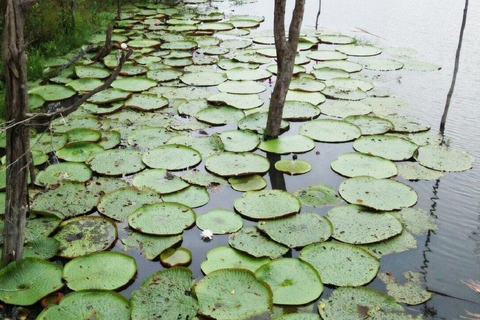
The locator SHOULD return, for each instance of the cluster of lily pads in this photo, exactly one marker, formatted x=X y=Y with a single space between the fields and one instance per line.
x=130 y=154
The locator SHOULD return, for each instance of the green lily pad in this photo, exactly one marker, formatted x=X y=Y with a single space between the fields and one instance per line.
x=267 y=204
x=417 y=221
x=109 y=95
x=62 y=201
x=148 y=245
x=89 y=304
x=357 y=225
x=289 y=144
x=344 y=109
x=330 y=130
x=180 y=45
x=203 y=79
x=406 y=124
x=248 y=183
x=227 y=64
x=205 y=145
x=388 y=147
x=233 y=294
x=359 y=50
x=291 y=288
x=378 y=194
x=99 y=270
x=63 y=125
x=219 y=115
x=41 y=247
x=35 y=101
x=415 y=171
x=239 y=140
x=239 y=101
x=299 y=111
x=411 y=293
x=349 y=94
x=116 y=162
x=298 y=230
x=176 y=257
x=102 y=108
x=162 y=218
x=306 y=84
x=220 y=221
x=401 y=243
x=191 y=107
x=83 y=235
x=83 y=134
x=203 y=179
x=134 y=84
x=355 y=164
x=53 y=92
x=150 y=138
x=314 y=98
x=379 y=64
x=349 y=84
x=146 y=102
x=324 y=55
x=26 y=281
x=242 y=87
x=336 y=39
x=172 y=157
x=143 y=43
x=258 y=122
x=133 y=70
x=164 y=74
x=193 y=196
x=236 y=164
x=298 y=316
x=159 y=180
x=327 y=73
x=370 y=125
x=166 y=294
x=119 y=203
x=224 y=257
x=317 y=196
x=296 y=69
x=84 y=84
x=253 y=242
x=444 y=158
x=218 y=26
x=91 y=72
x=382 y=106
x=341 y=264
x=64 y=171
x=421 y=138
x=243 y=74
x=417 y=65
x=348 y=66
x=358 y=303
x=293 y=167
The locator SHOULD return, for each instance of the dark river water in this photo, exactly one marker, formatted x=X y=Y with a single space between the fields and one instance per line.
x=432 y=28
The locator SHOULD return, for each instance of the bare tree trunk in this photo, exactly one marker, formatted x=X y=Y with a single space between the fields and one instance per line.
x=455 y=70
x=18 y=135
x=119 y=10
x=286 y=51
x=318 y=13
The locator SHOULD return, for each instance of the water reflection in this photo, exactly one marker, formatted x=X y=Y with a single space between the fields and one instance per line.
x=277 y=179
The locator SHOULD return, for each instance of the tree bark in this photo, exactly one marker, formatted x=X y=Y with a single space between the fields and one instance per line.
x=286 y=51
x=18 y=136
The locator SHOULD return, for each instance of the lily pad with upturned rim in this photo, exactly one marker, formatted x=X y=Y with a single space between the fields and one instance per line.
x=53 y=92
x=116 y=162
x=317 y=196
x=444 y=159
x=324 y=55
x=415 y=171
x=203 y=79
x=253 y=242
x=293 y=167
x=109 y=95
x=41 y=247
x=378 y=64
x=176 y=257
x=359 y=50
x=258 y=122
x=330 y=130
x=388 y=147
x=378 y=194
x=370 y=125
x=148 y=245
x=417 y=221
x=314 y=98
x=354 y=164
x=227 y=164
x=224 y=257
x=288 y=144
x=239 y=140
x=159 y=180
x=68 y=171
x=348 y=66
x=203 y=179
x=220 y=221
x=192 y=196
x=242 y=74
x=248 y=183
x=146 y=102
x=172 y=157
x=299 y=111
x=206 y=145
x=401 y=243
x=327 y=73
x=348 y=94
x=220 y=115
x=410 y=293
x=134 y=84
x=242 y=87
x=84 y=84
x=267 y=204
x=306 y=84
x=239 y=101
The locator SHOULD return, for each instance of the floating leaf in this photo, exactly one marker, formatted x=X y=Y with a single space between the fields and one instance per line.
x=444 y=158
x=415 y=171
x=258 y=122
x=134 y=84
x=193 y=196
x=327 y=73
x=224 y=257
x=164 y=74
x=41 y=247
x=381 y=64
x=100 y=270
x=219 y=115
x=314 y=98
x=91 y=72
x=291 y=288
x=348 y=66
x=289 y=144
x=203 y=179
x=26 y=281
x=79 y=151
x=205 y=145
x=370 y=125
x=239 y=140
x=239 y=101
x=349 y=94
x=242 y=87
x=248 y=183
x=267 y=204
x=417 y=65
x=342 y=109
x=355 y=164
x=359 y=50
x=149 y=245
x=68 y=171
x=162 y=218
x=242 y=74
x=253 y=242
x=317 y=196
x=388 y=147
x=324 y=55
x=150 y=138
x=336 y=39
x=220 y=221
x=341 y=264
x=146 y=102
x=330 y=130
x=357 y=225
x=53 y=92
x=406 y=124
x=298 y=230
x=84 y=84
x=417 y=221
x=116 y=162
x=293 y=167
x=236 y=164
x=172 y=157
x=203 y=79
x=159 y=180
x=378 y=194
x=401 y=243
x=411 y=293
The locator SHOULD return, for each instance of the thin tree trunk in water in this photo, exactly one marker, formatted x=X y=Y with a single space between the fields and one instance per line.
x=18 y=135
x=286 y=51
x=318 y=13
x=119 y=10
x=455 y=70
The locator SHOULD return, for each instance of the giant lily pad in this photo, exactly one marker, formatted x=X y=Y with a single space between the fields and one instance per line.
x=224 y=257
x=193 y=196
x=306 y=84
x=239 y=101
x=314 y=98
x=324 y=55
x=327 y=73
x=357 y=225
x=26 y=281
x=172 y=157
x=406 y=124
x=146 y=102
x=236 y=164
x=293 y=167
x=401 y=243
x=330 y=130
x=444 y=158
x=220 y=221
x=165 y=294
x=343 y=109
x=91 y=72
x=381 y=64
x=174 y=257
x=242 y=74
x=299 y=111
x=205 y=145
x=348 y=66
x=349 y=94
x=83 y=235
x=41 y=247
x=359 y=50
x=417 y=221
x=149 y=246
x=159 y=180
x=119 y=203
x=317 y=196
x=149 y=138
x=289 y=144
x=239 y=140
x=300 y=287
x=242 y=87
x=109 y=95
x=79 y=151
x=203 y=79
x=388 y=147
x=357 y=304
x=116 y=162
x=415 y=171
x=341 y=264
x=134 y=84
x=298 y=230
x=53 y=92
x=84 y=84
x=253 y=242
x=370 y=125
x=417 y=65
x=378 y=194
x=203 y=179
x=354 y=164
x=219 y=115
x=89 y=304
x=162 y=218
x=258 y=122
x=68 y=171
x=100 y=270
x=410 y=293
x=233 y=294
x=248 y=183
x=267 y=204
